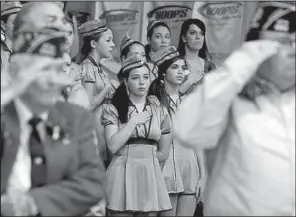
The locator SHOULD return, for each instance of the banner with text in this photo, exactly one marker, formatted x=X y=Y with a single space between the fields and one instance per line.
x=223 y=22
x=172 y=13
x=121 y=18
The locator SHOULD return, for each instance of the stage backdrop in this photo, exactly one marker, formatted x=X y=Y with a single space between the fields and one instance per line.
x=226 y=22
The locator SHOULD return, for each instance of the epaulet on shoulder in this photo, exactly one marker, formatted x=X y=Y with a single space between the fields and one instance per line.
x=153 y=99
x=86 y=62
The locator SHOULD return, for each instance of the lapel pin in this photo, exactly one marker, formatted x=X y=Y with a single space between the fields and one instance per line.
x=56 y=133
x=66 y=140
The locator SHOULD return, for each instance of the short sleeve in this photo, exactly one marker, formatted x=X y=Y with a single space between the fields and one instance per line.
x=89 y=72
x=79 y=96
x=165 y=125
x=76 y=72
x=109 y=115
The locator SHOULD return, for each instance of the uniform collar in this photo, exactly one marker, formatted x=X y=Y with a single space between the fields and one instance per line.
x=130 y=103
x=25 y=114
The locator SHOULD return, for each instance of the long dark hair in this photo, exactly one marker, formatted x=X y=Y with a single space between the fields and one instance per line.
x=204 y=51
x=86 y=47
x=157 y=86
x=126 y=50
x=120 y=99
x=149 y=35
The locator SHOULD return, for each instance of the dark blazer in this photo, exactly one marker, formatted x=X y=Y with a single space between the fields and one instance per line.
x=75 y=172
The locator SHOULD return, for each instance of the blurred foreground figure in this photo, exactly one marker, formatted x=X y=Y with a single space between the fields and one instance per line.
x=49 y=161
x=245 y=112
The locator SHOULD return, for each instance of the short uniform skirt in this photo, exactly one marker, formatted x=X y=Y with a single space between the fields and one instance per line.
x=172 y=174
x=189 y=169
x=135 y=182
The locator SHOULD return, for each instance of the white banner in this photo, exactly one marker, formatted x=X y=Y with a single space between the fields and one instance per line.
x=223 y=22
x=226 y=22
x=121 y=18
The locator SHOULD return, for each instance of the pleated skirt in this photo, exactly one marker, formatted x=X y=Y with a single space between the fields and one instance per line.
x=135 y=182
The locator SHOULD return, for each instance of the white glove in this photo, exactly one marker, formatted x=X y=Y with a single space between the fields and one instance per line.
x=247 y=59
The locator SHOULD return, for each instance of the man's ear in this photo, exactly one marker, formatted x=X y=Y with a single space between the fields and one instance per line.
x=148 y=40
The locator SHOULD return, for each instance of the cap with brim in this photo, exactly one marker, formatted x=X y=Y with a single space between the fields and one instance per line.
x=10 y=7
x=130 y=63
x=32 y=19
x=274 y=16
x=164 y=54
x=93 y=27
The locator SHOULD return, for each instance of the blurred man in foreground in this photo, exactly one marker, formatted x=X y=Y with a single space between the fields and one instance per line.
x=49 y=161
x=245 y=113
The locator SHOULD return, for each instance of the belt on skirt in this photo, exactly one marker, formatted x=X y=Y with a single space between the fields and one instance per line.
x=135 y=141
x=144 y=141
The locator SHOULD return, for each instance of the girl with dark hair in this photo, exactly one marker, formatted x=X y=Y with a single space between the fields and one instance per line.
x=193 y=47
x=137 y=131
x=97 y=44
x=184 y=169
x=129 y=47
x=158 y=37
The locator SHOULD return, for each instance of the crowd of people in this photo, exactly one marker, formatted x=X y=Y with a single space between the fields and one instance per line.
x=172 y=135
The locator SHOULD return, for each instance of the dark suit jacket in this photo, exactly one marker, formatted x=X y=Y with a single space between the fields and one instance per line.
x=75 y=172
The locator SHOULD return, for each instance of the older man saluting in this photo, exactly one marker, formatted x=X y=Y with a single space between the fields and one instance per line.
x=49 y=160
x=245 y=113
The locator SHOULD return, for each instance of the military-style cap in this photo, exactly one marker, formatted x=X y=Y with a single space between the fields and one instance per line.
x=130 y=63
x=125 y=42
x=10 y=7
x=273 y=16
x=164 y=54
x=34 y=34
x=38 y=17
x=93 y=27
x=152 y=23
